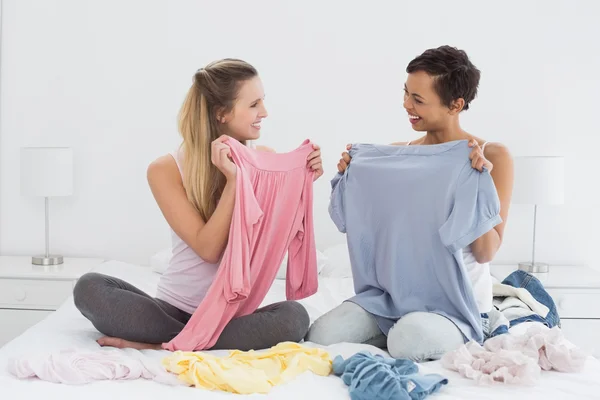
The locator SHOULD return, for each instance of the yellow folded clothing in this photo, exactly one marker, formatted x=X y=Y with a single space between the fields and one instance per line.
x=248 y=372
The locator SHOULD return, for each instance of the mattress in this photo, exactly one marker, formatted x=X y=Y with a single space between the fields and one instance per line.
x=66 y=328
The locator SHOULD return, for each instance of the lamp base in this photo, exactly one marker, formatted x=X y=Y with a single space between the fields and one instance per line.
x=49 y=260
x=534 y=267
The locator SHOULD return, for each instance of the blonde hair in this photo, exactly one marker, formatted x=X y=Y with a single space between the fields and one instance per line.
x=214 y=91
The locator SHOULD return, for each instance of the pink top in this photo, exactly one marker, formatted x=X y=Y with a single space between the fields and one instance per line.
x=272 y=215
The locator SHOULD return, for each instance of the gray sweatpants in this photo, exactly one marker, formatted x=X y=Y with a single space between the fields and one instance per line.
x=119 y=309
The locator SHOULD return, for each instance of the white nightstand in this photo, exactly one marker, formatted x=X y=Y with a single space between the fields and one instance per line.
x=28 y=293
x=576 y=293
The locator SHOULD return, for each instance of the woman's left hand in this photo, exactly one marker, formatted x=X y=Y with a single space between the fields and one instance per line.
x=314 y=162
x=478 y=160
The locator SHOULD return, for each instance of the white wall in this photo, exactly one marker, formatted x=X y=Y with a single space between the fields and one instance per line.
x=108 y=77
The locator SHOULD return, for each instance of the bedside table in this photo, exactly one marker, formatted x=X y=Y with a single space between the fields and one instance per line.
x=576 y=293
x=29 y=293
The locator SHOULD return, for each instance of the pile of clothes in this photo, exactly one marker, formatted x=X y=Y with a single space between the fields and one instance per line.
x=517 y=358
x=367 y=376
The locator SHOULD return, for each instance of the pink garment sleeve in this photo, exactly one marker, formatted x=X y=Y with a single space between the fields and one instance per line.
x=302 y=276
x=236 y=258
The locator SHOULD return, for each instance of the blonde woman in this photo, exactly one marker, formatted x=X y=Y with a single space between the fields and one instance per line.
x=195 y=190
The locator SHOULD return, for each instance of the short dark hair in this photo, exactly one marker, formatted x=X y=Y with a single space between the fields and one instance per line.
x=455 y=75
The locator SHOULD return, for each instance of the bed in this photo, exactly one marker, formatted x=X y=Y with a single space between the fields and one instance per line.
x=66 y=328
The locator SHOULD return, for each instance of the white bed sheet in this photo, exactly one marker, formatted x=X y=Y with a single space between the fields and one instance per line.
x=66 y=328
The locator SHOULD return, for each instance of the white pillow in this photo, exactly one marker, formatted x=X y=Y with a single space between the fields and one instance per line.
x=338 y=262
x=321 y=263
x=159 y=262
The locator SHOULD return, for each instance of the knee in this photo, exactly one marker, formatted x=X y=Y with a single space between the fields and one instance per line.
x=407 y=343
x=86 y=289
x=321 y=332
x=297 y=320
x=316 y=333
x=415 y=338
x=337 y=325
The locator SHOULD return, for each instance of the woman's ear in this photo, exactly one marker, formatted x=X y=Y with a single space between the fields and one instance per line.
x=223 y=116
x=456 y=106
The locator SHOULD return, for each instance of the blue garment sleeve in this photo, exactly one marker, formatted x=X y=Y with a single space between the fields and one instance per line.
x=475 y=211
x=337 y=203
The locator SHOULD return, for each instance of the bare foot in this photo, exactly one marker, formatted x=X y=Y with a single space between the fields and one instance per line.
x=124 y=344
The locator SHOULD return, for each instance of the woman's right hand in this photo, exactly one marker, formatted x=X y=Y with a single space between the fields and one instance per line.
x=345 y=160
x=220 y=155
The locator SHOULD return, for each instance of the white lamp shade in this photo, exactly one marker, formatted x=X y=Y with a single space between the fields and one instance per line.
x=46 y=171
x=539 y=180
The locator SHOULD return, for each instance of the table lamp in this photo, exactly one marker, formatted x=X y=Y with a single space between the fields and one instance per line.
x=538 y=181
x=47 y=172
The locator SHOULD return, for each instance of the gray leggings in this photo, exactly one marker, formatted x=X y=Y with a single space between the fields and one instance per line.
x=119 y=309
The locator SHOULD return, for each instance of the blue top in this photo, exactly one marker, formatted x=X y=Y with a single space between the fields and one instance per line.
x=408 y=211
x=375 y=377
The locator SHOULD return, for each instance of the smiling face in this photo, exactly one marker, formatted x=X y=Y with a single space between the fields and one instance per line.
x=244 y=120
x=425 y=109
x=441 y=83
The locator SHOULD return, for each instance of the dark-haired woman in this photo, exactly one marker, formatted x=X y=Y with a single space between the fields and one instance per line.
x=441 y=84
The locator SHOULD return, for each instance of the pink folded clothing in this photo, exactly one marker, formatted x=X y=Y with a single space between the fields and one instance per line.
x=272 y=215
x=516 y=359
x=78 y=367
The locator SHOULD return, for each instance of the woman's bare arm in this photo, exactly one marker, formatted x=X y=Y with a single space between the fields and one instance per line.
x=207 y=239
x=485 y=247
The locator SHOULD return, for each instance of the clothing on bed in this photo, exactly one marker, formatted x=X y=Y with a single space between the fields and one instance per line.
x=272 y=215
x=248 y=372
x=514 y=358
x=520 y=297
x=372 y=377
x=521 y=310
x=78 y=367
x=119 y=309
x=408 y=211
x=239 y=372
x=517 y=358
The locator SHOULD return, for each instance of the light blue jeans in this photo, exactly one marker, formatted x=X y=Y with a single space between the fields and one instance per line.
x=418 y=336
